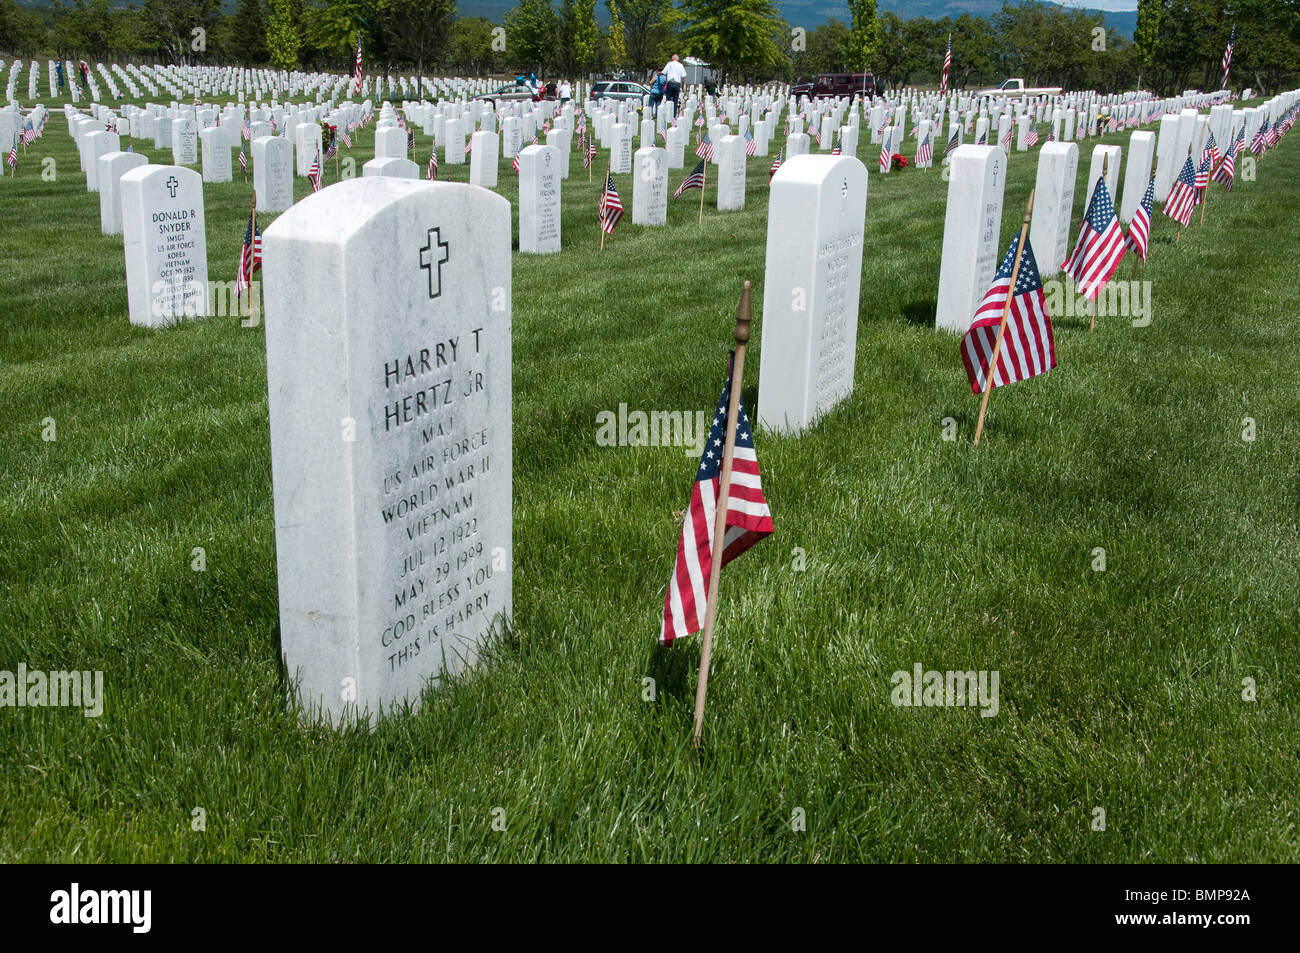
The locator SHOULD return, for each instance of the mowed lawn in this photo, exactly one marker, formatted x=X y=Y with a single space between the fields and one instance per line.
x=1120 y=689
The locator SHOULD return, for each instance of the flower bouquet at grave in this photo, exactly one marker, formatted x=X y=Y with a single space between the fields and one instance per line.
x=898 y=162
x=327 y=134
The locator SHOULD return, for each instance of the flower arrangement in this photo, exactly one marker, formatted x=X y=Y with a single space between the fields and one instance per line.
x=898 y=162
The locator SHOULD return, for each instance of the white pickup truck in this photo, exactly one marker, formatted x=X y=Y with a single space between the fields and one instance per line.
x=1016 y=87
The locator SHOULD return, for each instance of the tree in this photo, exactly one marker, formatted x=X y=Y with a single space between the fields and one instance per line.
x=617 y=37
x=248 y=34
x=740 y=37
x=1146 y=34
x=864 y=35
x=417 y=30
x=579 y=36
x=282 y=40
x=171 y=26
x=647 y=26
x=532 y=29
x=470 y=46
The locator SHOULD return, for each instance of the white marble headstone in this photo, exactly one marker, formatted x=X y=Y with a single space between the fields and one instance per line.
x=388 y=345
x=539 y=199
x=971 y=229
x=165 y=244
x=816 y=217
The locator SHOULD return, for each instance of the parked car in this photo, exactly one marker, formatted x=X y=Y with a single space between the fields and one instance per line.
x=618 y=89
x=1016 y=88
x=511 y=93
x=828 y=85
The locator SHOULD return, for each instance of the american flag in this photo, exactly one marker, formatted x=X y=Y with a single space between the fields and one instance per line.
x=1227 y=171
x=1202 y=179
x=885 y=157
x=924 y=151
x=1031 y=137
x=346 y=136
x=954 y=141
x=776 y=164
x=433 y=164
x=705 y=149
x=1211 y=151
x=1227 y=57
x=983 y=139
x=410 y=139
x=751 y=147
x=29 y=133
x=12 y=158
x=332 y=149
x=357 y=81
x=243 y=161
x=1028 y=346
x=1006 y=138
x=250 y=257
x=1271 y=136
x=514 y=163
x=947 y=65
x=693 y=181
x=591 y=152
x=246 y=133
x=1100 y=246
x=610 y=209
x=748 y=520
x=1182 y=199
x=1138 y=238
x=313 y=173
x=1259 y=142
x=836 y=149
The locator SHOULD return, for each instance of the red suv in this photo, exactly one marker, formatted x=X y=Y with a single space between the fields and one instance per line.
x=828 y=85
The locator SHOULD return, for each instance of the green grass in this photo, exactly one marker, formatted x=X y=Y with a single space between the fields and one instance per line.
x=1119 y=689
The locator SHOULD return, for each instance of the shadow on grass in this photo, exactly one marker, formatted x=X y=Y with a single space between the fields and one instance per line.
x=920 y=313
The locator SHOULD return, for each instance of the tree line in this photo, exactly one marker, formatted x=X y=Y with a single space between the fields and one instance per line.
x=1178 y=44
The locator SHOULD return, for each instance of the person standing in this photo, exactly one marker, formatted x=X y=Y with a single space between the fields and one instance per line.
x=657 y=87
x=674 y=75
x=566 y=91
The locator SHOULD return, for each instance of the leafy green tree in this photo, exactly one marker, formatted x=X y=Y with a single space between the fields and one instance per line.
x=617 y=37
x=647 y=27
x=22 y=32
x=824 y=52
x=417 y=30
x=170 y=26
x=470 y=46
x=864 y=35
x=744 y=37
x=282 y=39
x=579 y=36
x=1147 y=33
x=532 y=29
x=247 y=36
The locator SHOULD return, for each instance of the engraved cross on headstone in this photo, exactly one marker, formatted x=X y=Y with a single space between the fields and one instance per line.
x=435 y=252
x=172 y=186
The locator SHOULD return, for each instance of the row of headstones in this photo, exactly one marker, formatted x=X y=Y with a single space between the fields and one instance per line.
x=972 y=223
x=409 y=344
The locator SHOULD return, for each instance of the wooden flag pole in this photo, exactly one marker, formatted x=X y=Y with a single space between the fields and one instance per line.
x=1002 y=326
x=741 y=335
x=608 y=165
x=703 y=183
